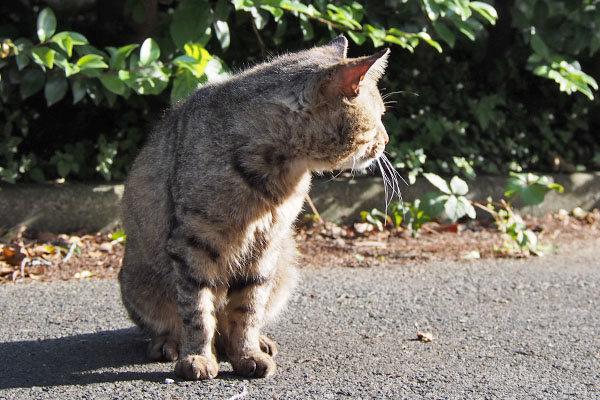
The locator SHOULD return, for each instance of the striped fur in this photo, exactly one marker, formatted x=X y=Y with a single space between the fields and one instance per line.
x=210 y=202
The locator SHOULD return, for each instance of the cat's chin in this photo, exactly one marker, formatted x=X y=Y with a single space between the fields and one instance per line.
x=358 y=163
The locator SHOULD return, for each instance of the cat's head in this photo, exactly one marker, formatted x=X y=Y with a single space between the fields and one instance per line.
x=347 y=108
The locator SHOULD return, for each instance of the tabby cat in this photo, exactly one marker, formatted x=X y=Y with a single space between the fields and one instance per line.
x=210 y=202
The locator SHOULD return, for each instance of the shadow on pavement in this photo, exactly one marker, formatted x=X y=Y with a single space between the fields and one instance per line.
x=75 y=360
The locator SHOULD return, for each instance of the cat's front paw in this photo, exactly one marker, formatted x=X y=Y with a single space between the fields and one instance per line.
x=195 y=367
x=255 y=365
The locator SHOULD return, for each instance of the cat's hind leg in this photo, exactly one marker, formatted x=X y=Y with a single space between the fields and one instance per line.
x=152 y=309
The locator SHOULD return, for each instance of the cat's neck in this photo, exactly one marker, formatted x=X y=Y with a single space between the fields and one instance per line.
x=269 y=172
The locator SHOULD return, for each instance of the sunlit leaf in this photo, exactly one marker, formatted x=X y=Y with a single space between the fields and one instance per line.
x=91 y=61
x=438 y=182
x=458 y=186
x=149 y=52
x=43 y=56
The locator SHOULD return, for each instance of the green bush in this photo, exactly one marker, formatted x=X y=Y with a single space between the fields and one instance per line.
x=81 y=85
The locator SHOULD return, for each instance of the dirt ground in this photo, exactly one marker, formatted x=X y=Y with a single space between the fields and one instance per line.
x=42 y=256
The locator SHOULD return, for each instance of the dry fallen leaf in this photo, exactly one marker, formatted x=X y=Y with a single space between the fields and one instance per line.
x=5 y=268
x=13 y=254
x=471 y=255
x=82 y=274
x=425 y=337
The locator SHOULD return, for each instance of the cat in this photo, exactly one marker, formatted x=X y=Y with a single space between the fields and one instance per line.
x=211 y=199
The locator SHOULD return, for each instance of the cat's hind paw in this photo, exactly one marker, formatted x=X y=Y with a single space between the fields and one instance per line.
x=195 y=367
x=255 y=365
x=163 y=348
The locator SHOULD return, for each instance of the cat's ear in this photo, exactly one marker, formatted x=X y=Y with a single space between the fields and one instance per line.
x=339 y=45
x=349 y=74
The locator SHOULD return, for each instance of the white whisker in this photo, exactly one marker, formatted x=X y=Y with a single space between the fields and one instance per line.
x=385 y=185
x=335 y=176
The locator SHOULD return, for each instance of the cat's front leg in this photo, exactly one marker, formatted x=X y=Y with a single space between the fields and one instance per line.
x=245 y=315
x=196 y=309
x=195 y=300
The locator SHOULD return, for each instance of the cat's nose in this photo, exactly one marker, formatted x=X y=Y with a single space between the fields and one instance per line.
x=386 y=138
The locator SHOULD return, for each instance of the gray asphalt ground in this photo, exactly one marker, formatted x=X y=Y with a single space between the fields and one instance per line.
x=504 y=329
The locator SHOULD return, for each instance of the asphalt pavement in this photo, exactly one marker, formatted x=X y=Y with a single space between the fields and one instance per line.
x=503 y=329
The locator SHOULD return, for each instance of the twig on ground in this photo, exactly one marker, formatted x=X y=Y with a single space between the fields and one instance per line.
x=314 y=210
x=70 y=252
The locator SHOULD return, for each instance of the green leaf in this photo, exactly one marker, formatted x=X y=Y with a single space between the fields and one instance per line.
x=425 y=36
x=221 y=11
x=451 y=208
x=149 y=52
x=538 y=45
x=195 y=60
x=37 y=175
x=22 y=61
x=533 y=194
x=464 y=28
x=356 y=37
x=529 y=239
x=118 y=236
x=191 y=22
x=241 y=4
x=457 y=207
x=62 y=62
x=295 y=5
x=66 y=40
x=444 y=33
x=306 y=28
x=118 y=56
x=485 y=10
x=220 y=25
x=56 y=88
x=32 y=82
x=466 y=206
x=438 y=182
x=46 y=24
x=44 y=56
x=113 y=83
x=432 y=9
x=183 y=86
x=276 y=12
x=91 y=61
x=377 y=35
x=222 y=33
x=78 y=89
x=432 y=204
x=458 y=186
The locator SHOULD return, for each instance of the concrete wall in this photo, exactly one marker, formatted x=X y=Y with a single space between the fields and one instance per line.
x=71 y=207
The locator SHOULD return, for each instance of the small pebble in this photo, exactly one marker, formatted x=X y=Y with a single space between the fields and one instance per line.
x=169 y=380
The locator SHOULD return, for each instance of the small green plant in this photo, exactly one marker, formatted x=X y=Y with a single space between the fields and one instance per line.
x=516 y=237
x=118 y=236
x=530 y=188
x=451 y=200
x=377 y=218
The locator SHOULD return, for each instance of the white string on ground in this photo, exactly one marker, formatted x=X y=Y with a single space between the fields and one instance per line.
x=240 y=395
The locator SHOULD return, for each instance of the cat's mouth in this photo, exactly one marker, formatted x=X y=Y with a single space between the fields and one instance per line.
x=361 y=162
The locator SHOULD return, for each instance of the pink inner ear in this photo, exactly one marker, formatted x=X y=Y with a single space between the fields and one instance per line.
x=352 y=74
